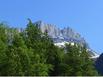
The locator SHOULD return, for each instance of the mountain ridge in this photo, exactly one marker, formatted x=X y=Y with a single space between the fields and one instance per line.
x=56 y=32
x=64 y=35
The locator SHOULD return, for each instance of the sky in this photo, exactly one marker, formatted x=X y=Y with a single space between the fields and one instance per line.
x=84 y=16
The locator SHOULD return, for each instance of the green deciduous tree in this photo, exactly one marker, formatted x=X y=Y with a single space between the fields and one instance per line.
x=18 y=59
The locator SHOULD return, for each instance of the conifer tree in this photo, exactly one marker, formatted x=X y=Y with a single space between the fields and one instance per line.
x=36 y=42
x=78 y=62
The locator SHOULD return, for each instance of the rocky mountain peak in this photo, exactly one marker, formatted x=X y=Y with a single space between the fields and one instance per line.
x=62 y=36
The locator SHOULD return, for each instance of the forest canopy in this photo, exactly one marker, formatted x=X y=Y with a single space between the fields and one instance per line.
x=29 y=52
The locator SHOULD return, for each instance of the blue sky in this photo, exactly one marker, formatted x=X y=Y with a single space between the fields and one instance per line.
x=84 y=16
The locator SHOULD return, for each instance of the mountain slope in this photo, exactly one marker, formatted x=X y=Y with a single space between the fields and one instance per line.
x=99 y=64
x=65 y=35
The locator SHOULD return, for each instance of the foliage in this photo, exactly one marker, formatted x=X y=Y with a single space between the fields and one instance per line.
x=32 y=53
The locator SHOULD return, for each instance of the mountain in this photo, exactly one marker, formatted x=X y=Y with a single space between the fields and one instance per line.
x=60 y=35
x=65 y=35
x=99 y=64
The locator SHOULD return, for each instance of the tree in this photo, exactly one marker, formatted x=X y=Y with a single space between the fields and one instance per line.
x=18 y=59
x=87 y=63
x=3 y=48
x=37 y=43
x=77 y=62
x=55 y=57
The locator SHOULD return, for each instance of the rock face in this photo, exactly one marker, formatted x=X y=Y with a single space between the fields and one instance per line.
x=99 y=64
x=62 y=36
